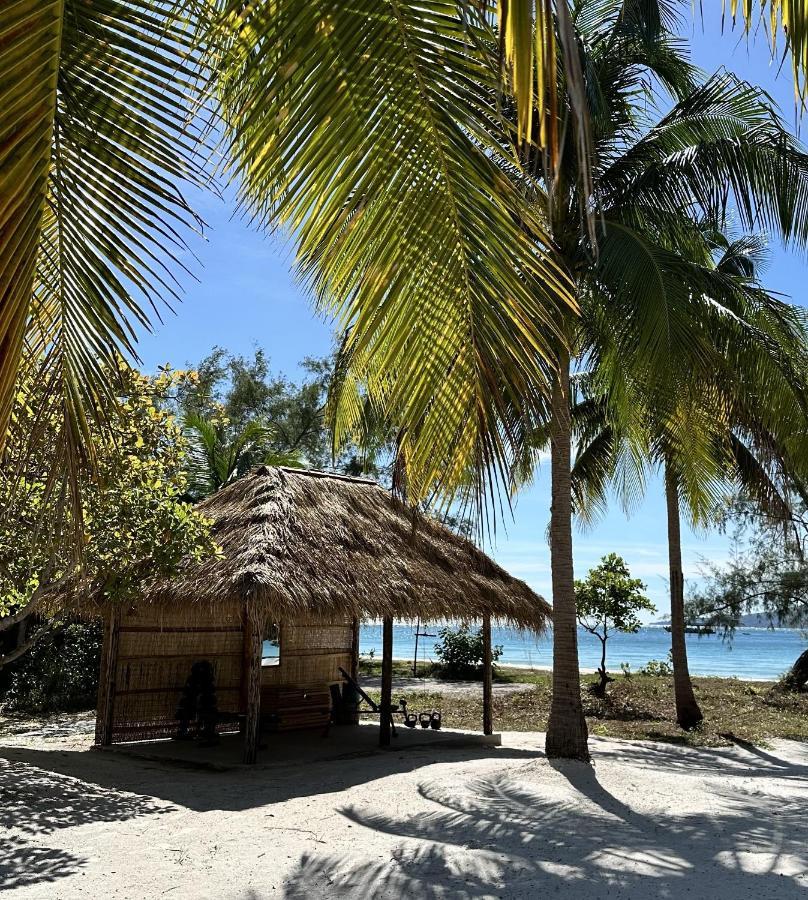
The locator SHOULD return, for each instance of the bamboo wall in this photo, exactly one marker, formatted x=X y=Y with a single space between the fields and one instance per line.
x=311 y=655
x=148 y=655
x=155 y=652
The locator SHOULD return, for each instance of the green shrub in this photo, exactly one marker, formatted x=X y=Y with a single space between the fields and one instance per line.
x=658 y=668
x=460 y=652
x=60 y=674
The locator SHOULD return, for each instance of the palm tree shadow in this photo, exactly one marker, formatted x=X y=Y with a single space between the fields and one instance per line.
x=511 y=834
x=36 y=802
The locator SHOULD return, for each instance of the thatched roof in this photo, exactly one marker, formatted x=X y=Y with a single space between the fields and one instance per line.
x=313 y=545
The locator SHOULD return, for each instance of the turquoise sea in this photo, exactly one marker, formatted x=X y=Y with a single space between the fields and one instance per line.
x=755 y=653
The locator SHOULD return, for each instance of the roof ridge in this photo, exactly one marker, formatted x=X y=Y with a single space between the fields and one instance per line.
x=317 y=473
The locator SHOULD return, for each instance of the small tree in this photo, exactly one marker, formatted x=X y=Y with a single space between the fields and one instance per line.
x=609 y=600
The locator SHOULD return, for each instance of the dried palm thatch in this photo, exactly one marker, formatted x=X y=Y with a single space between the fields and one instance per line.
x=306 y=545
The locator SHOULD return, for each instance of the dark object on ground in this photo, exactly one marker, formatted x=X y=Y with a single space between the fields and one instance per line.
x=599 y=687
x=198 y=706
x=374 y=707
x=796 y=679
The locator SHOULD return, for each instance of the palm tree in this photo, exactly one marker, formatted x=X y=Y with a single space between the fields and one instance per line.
x=642 y=293
x=218 y=456
x=730 y=431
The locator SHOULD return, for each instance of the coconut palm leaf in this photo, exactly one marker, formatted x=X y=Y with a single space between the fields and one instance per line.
x=98 y=149
x=30 y=42
x=529 y=48
x=724 y=142
x=405 y=227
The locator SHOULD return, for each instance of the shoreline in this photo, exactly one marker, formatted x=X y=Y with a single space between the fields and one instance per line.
x=544 y=670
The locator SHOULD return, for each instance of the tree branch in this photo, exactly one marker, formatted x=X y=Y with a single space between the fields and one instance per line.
x=25 y=646
x=30 y=607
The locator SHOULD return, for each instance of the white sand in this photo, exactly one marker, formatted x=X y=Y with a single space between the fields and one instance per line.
x=647 y=821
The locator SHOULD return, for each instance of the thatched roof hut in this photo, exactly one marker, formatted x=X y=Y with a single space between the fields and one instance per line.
x=307 y=544
x=274 y=620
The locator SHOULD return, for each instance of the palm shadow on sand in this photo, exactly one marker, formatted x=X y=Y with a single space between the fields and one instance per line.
x=35 y=803
x=501 y=836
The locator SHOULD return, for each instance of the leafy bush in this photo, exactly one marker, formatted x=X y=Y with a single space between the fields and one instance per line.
x=59 y=674
x=658 y=668
x=460 y=652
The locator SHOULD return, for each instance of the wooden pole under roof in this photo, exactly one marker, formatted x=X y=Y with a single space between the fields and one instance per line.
x=253 y=646
x=106 y=682
x=488 y=674
x=386 y=705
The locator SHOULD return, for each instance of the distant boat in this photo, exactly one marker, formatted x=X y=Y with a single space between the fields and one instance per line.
x=695 y=629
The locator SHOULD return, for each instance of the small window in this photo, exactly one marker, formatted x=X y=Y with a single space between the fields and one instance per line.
x=271 y=653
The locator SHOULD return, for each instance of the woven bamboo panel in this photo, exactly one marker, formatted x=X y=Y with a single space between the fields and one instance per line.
x=197 y=644
x=311 y=654
x=308 y=669
x=317 y=637
x=194 y=615
x=170 y=674
x=156 y=650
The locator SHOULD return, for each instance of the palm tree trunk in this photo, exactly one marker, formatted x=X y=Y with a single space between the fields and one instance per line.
x=566 y=729
x=688 y=714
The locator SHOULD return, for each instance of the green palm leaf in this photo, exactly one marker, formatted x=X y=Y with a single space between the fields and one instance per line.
x=406 y=229
x=114 y=152
x=30 y=42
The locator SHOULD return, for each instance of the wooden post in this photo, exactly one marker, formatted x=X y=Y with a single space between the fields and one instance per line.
x=488 y=673
x=106 y=681
x=253 y=647
x=386 y=705
x=355 y=650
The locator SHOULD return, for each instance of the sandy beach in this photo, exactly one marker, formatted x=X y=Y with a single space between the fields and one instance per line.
x=648 y=820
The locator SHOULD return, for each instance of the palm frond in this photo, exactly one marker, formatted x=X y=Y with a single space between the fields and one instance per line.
x=30 y=44
x=724 y=142
x=118 y=150
x=405 y=228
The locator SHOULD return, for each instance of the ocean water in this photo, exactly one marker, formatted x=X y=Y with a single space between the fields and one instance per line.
x=754 y=654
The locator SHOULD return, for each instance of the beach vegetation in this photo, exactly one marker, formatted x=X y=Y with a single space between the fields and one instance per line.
x=609 y=600
x=61 y=675
x=133 y=521
x=459 y=650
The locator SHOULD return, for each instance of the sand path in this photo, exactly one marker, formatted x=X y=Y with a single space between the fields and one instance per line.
x=646 y=821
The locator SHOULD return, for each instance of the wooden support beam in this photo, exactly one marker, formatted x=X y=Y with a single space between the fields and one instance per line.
x=386 y=705
x=488 y=674
x=253 y=646
x=106 y=680
x=355 y=650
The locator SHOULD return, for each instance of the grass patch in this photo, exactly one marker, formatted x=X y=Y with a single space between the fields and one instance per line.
x=640 y=707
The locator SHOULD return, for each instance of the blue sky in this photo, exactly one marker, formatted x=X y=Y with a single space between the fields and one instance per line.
x=246 y=296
